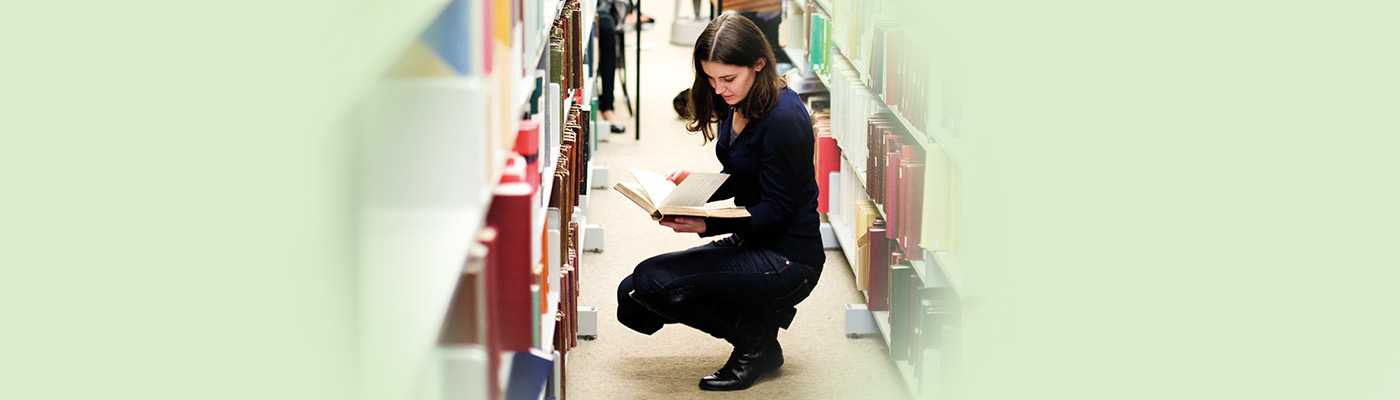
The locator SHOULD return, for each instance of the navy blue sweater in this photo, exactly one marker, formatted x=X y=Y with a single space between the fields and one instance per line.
x=771 y=173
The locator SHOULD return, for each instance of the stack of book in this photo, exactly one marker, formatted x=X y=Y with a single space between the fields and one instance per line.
x=900 y=72
x=894 y=180
x=570 y=182
x=866 y=216
x=567 y=42
x=851 y=19
x=852 y=104
x=505 y=293
x=893 y=117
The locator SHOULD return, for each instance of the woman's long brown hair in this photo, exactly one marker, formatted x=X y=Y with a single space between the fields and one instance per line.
x=732 y=39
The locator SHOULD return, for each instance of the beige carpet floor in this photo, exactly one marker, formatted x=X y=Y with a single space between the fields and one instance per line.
x=822 y=363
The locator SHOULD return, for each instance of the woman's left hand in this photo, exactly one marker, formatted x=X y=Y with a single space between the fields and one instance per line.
x=685 y=224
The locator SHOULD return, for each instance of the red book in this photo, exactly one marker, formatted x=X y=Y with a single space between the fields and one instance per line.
x=509 y=272
x=893 y=60
x=828 y=161
x=892 y=144
x=574 y=280
x=878 y=290
x=560 y=332
x=893 y=185
x=566 y=300
x=527 y=145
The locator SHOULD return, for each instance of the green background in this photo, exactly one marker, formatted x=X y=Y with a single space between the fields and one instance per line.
x=1179 y=200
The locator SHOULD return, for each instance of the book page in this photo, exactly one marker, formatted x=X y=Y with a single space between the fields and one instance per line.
x=635 y=193
x=671 y=211
x=727 y=212
x=695 y=190
x=656 y=187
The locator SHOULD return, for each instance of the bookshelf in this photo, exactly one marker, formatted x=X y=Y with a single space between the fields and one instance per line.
x=928 y=139
x=851 y=47
x=906 y=371
x=437 y=129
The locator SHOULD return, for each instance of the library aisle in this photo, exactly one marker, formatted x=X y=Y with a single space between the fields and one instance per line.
x=822 y=363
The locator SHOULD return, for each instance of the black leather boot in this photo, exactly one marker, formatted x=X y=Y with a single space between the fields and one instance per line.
x=747 y=363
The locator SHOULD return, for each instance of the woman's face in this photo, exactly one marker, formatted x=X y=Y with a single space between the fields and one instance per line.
x=731 y=81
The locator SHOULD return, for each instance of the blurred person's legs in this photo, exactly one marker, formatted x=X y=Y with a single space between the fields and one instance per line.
x=607 y=68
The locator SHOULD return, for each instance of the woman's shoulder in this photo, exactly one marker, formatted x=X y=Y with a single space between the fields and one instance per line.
x=788 y=121
x=789 y=105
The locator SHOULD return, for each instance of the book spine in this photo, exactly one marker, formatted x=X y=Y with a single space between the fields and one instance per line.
x=914 y=209
x=828 y=161
x=566 y=299
x=878 y=292
x=891 y=186
x=914 y=313
x=574 y=280
x=895 y=56
x=907 y=155
x=900 y=276
x=877 y=144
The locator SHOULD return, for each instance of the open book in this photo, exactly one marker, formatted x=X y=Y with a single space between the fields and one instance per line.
x=661 y=198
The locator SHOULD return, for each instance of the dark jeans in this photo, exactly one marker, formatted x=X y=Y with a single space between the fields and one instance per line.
x=723 y=288
x=607 y=59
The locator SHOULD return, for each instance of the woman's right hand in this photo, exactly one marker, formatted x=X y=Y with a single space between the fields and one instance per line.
x=676 y=176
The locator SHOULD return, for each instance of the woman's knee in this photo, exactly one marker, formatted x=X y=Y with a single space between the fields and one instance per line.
x=651 y=274
x=654 y=282
x=624 y=289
